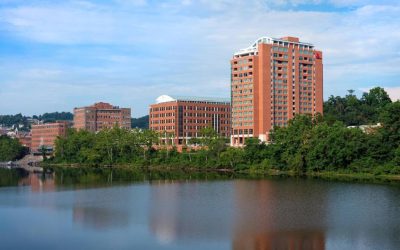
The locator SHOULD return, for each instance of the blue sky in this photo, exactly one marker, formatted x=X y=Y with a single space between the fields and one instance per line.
x=57 y=55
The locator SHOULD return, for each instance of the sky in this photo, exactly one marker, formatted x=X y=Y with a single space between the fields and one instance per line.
x=57 y=55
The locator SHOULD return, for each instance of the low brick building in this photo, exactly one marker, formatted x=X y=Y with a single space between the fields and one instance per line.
x=44 y=135
x=25 y=138
x=100 y=116
x=181 y=118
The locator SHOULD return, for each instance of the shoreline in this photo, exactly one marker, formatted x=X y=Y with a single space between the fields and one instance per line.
x=328 y=175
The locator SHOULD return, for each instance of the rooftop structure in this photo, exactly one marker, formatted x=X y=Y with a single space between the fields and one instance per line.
x=168 y=98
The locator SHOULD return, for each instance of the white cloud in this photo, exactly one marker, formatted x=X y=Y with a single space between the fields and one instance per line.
x=185 y=45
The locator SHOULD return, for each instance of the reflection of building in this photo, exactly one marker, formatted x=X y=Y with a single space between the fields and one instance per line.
x=281 y=240
x=38 y=184
x=251 y=214
x=100 y=217
x=44 y=135
x=275 y=215
x=106 y=208
x=183 y=118
x=179 y=212
x=272 y=81
x=100 y=116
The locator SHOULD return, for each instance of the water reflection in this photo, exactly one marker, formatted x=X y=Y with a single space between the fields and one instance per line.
x=255 y=215
x=164 y=210
x=39 y=182
x=100 y=218
x=269 y=215
x=185 y=211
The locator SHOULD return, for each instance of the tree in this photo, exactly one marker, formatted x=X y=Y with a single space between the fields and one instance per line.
x=141 y=122
x=353 y=111
x=10 y=149
x=376 y=97
x=232 y=157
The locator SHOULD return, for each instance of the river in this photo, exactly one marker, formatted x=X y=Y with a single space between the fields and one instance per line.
x=194 y=211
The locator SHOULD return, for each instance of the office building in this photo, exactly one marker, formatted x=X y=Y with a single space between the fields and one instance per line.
x=44 y=135
x=181 y=118
x=100 y=116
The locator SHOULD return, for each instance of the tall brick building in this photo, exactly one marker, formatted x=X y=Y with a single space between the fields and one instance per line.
x=272 y=81
x=185 y=117
x=44 y=135
x=100 y=116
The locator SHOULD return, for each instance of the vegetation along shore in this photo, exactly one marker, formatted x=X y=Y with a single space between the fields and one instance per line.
x=328 y=145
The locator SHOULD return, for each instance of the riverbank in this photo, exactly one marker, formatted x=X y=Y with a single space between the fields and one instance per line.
x=247 y=173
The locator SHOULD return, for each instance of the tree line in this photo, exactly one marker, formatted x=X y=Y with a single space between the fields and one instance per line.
x=19 y=119
x=22 y=122
x=308 y=144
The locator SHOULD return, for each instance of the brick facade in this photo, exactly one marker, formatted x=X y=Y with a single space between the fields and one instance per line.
x=46 y=134
x=271 y=82
x=100 y=116
x=181 y=119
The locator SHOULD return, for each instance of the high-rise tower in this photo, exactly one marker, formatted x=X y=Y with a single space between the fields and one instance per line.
x=272 y=81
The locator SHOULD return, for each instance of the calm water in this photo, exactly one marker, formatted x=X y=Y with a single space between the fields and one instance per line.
x=71 y=212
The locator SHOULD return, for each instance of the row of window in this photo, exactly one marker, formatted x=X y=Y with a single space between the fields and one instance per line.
x=242 y=131
x=200 y=108
x=282 y=68
x=243 y=97
x=280 y=49
x=242 y=86
x=278 y=91
x=242 y=113
x=162 y=115
x=243 y=74
x=307 y=52
x=279 y=118
x=242 y=80
x=243 y=68
x=278 y=124
x=241 y=102
x=279 y=102
x=244 y=91
x=240 y=124
x=162 y=121
x=243 y=61
x=284 y=56
x=242 y=108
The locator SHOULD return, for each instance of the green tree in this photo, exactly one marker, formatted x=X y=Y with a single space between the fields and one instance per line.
x=10 y=149
x=232 y=157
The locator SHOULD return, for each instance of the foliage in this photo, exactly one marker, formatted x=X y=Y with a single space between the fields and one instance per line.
x=109 y=146
x=353 y=111
x=141 y=122
x=23 y=124
x=10 y=149
x=55 y=116
x=307 y=145
x=14 y=120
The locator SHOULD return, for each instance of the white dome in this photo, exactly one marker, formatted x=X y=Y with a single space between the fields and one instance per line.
x=164 y=98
